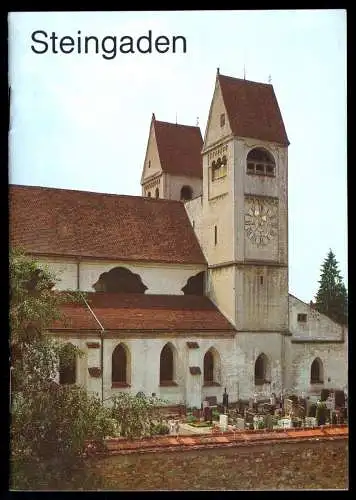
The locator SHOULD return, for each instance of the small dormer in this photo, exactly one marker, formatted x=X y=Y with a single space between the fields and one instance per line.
x=173 y=164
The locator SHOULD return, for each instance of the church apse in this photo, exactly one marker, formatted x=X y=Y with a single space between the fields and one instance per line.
x=194 y=285
x=120 y=280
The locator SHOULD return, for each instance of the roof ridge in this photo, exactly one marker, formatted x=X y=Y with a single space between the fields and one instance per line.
x=95 y=193
x=178 y=124
x=245 y=80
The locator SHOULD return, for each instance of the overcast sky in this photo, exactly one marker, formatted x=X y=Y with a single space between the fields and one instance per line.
x=80 y=121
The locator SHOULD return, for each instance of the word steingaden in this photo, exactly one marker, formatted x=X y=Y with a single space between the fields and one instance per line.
x=108 y=46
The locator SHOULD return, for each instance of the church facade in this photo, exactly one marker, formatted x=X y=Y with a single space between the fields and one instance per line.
x=187 y=285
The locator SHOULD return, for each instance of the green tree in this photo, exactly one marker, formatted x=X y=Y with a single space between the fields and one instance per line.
x=50 y=424
x=331 y=298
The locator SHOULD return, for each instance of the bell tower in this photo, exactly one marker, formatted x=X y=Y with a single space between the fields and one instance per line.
x=245 y=205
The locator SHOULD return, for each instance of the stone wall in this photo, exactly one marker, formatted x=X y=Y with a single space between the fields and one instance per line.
x=282 y=466
x=144 y=367
x=334 y=362
x=307 y=323
x=174 y=184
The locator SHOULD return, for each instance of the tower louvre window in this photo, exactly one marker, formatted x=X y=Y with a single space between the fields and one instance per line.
x=219 y=168
x=222 y=119
x=215 y=235
x=261 y=280
x=260 y=162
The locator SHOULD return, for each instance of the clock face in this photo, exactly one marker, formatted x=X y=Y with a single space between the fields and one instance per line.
x=261 y=220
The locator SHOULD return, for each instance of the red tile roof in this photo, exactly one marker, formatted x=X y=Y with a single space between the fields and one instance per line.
x=179 y=148
x=144 y=312
x=65 y=222
x=253 y=110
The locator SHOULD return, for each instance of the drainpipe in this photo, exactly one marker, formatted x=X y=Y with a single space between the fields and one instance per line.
x=102 y=331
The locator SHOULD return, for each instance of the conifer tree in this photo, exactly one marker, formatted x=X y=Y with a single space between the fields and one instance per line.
x=331 y=298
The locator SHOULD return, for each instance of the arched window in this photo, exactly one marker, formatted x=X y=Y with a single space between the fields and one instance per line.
x=157 y=193
x=262 y=370
x=67 y=365
x=261 y=162
x=316 y=372
x=166 y=372
x=208 y=367
x=195 y=285
x=120 y=280
x=212 y=367
x=186 y=193
x=149 y=194
x=120 y=366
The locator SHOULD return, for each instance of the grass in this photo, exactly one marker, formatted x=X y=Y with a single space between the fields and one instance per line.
x=200 y=424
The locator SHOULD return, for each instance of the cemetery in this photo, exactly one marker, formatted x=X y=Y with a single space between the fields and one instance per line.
x=269 y=413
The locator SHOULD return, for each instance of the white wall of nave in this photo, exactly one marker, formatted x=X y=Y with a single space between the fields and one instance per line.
x=159 y=278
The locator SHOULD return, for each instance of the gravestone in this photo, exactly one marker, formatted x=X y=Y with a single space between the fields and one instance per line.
x=212 y=400
x=310 y=422
x=257 y=421
x=249 y=416
x=311 y=410
x=330 y=403
x=225 y=401
x=269 y=421
x=288 y=406
x=285 y=423
x=223 y=422
x=339 y=398
x=240 y=423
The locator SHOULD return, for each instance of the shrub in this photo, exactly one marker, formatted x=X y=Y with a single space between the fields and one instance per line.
x=215 y=414
x=136 y=416
x=160 y=429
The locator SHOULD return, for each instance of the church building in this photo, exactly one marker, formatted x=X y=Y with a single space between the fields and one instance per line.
x=186 y=286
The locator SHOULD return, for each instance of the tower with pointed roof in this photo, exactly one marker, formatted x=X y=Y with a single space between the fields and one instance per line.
x=242 y=223
x=173 y=164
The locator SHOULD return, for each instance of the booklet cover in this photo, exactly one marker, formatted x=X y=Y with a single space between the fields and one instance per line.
x=178 y=218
